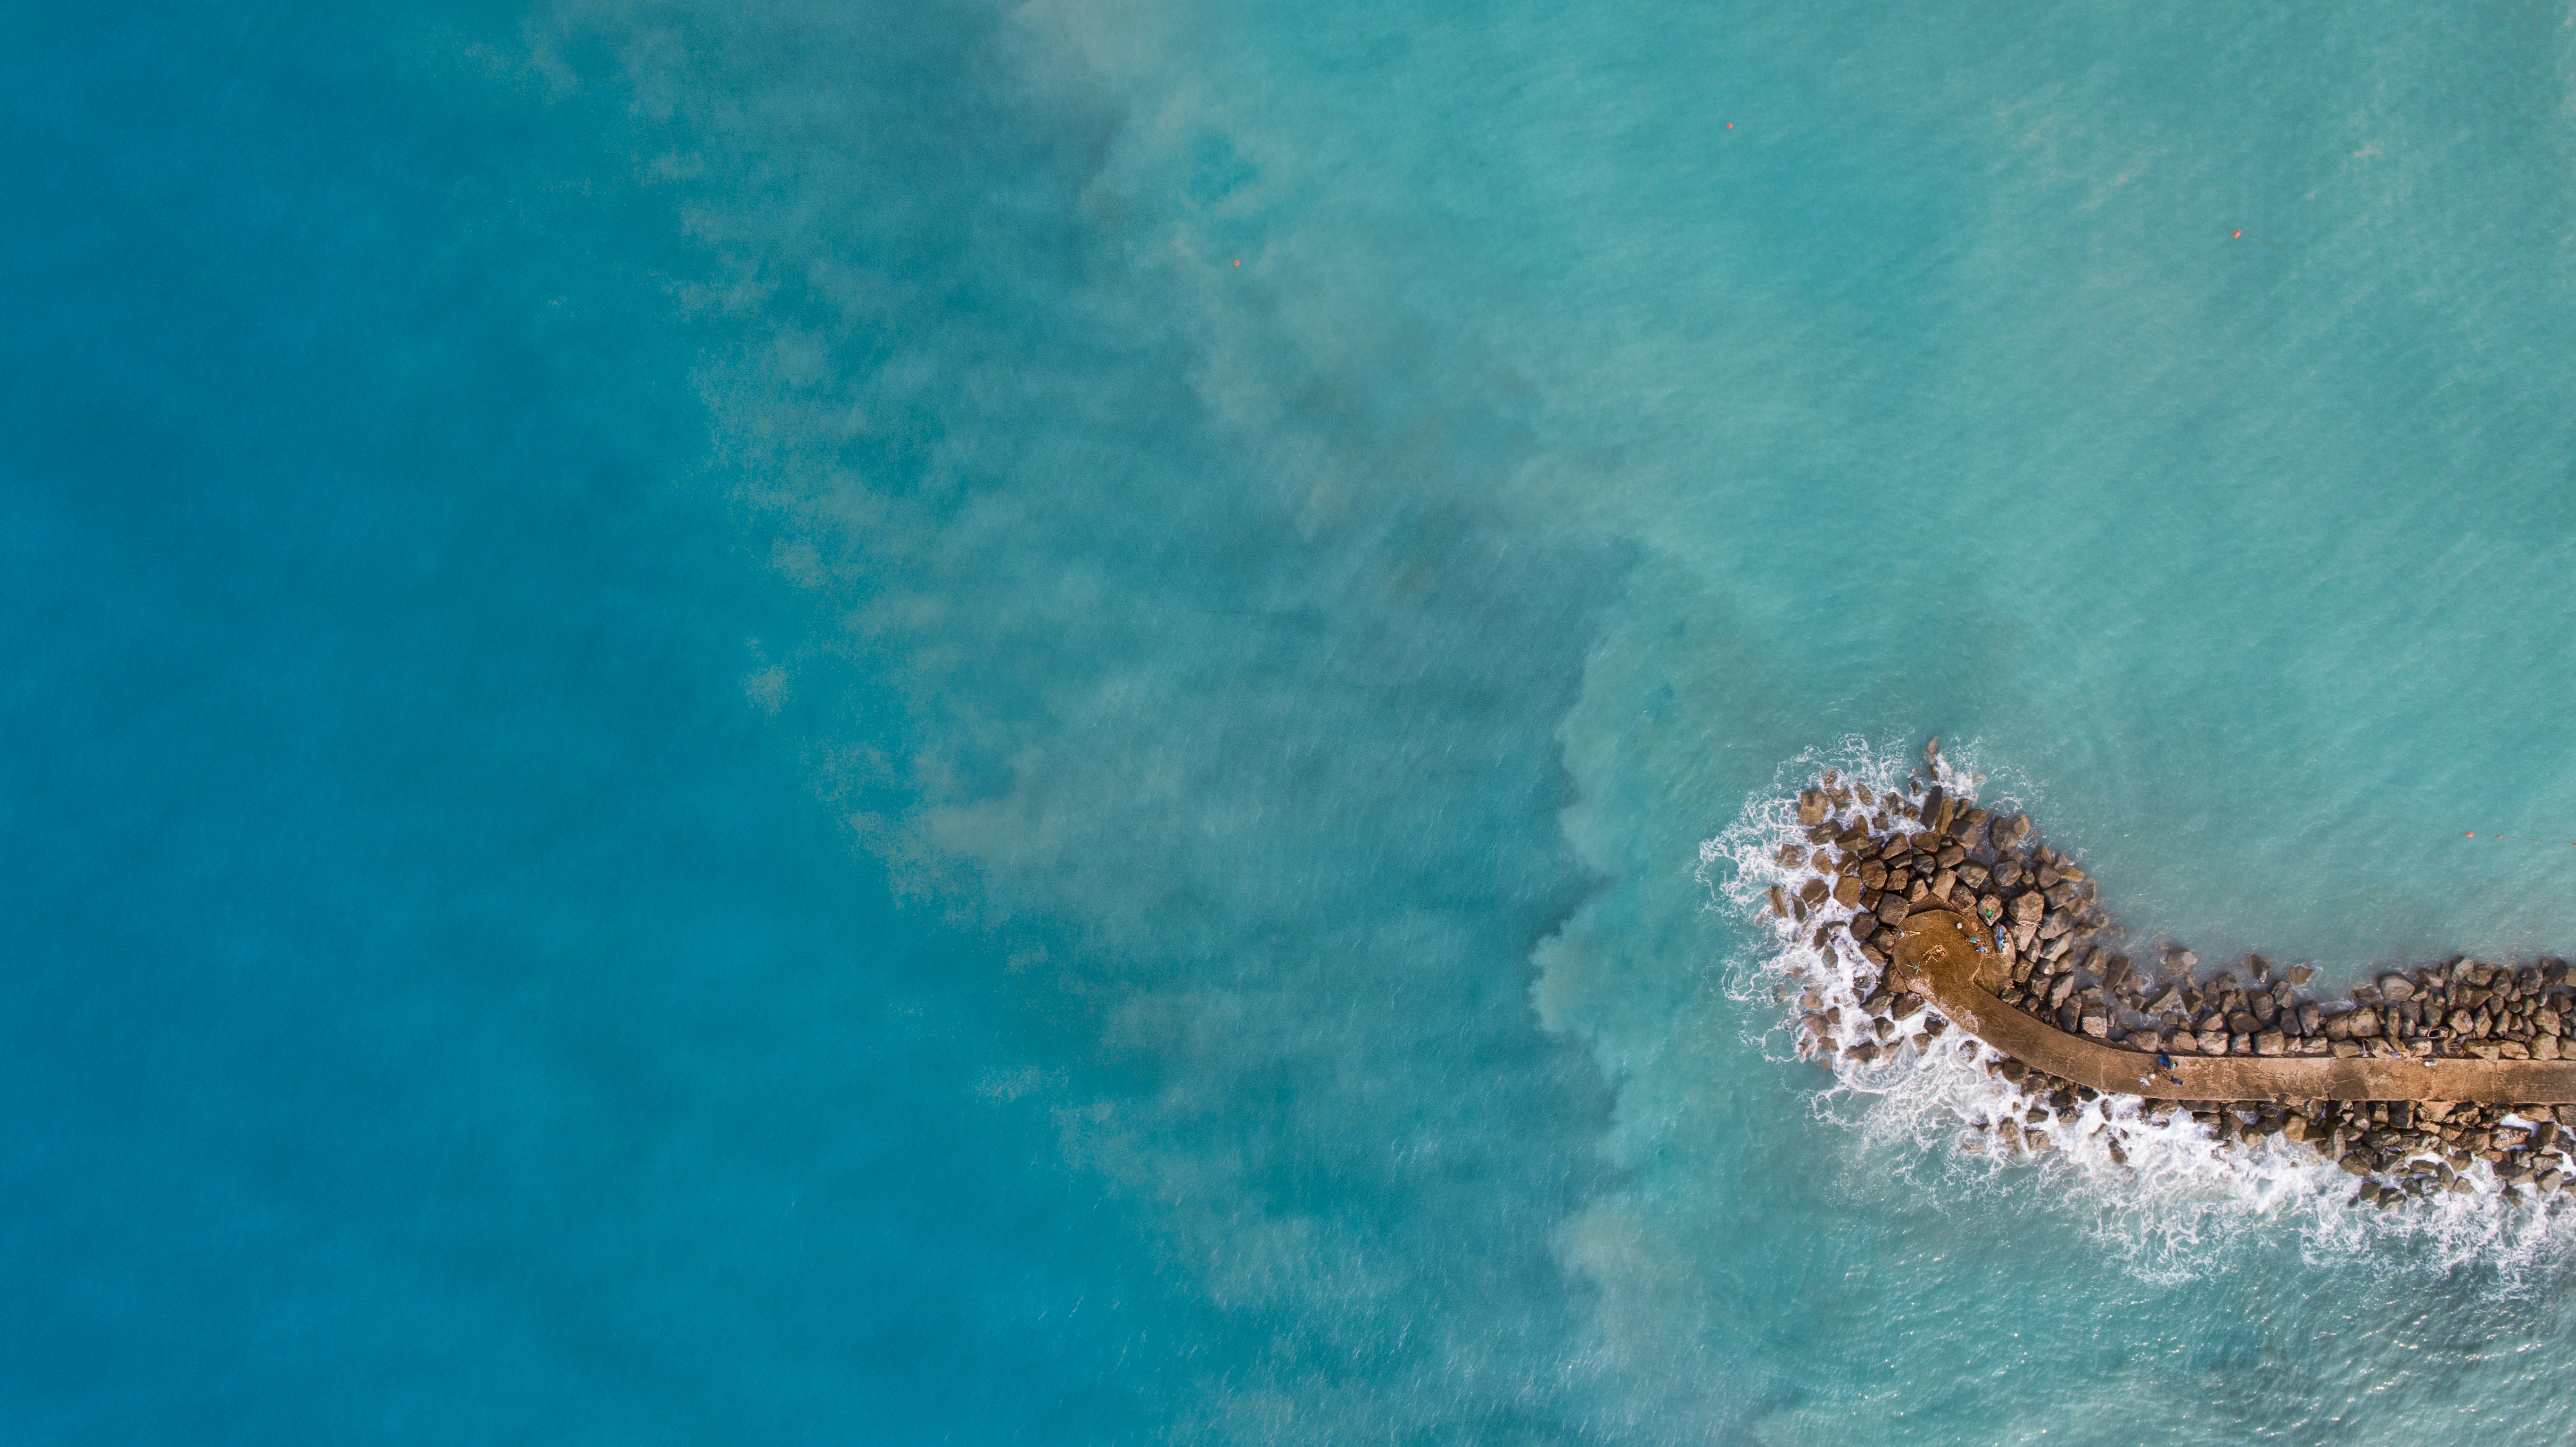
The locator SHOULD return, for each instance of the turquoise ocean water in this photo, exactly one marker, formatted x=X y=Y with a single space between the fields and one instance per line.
x=941 y=722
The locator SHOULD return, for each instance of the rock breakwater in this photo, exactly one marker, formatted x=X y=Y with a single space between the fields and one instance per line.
x=1926 y=913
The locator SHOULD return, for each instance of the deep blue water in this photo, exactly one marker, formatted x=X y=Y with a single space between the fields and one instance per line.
x=439 y=1008
x=804 y=722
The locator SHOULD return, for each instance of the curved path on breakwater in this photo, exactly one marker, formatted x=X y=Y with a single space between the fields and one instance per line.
x=1936 y=957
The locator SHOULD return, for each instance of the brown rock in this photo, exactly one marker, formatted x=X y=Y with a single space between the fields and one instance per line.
x=1848 y=891
x=1812 y=806
x=1814 y=891
x=1779 y=901
x=2270 y=1042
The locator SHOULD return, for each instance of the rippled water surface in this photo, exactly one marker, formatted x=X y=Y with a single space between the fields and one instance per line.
x=798 y=721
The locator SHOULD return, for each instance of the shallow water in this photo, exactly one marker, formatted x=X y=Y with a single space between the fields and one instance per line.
x=789 y=720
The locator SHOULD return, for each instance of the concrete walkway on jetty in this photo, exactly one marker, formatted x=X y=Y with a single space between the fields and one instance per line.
x=1936 y=956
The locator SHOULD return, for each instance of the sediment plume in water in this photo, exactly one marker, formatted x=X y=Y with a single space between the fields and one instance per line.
x=1816 y=865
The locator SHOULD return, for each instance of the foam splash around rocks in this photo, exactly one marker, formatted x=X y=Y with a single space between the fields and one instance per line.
x=2170 y=1190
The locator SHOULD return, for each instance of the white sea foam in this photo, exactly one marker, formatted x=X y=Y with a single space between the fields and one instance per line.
x=2167 y=1196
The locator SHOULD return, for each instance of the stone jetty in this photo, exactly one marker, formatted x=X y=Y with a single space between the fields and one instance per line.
x=1963 y=918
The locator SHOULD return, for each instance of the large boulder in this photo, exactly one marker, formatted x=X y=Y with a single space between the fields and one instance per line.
x=2396 y=987
x=1812 y=807
x=1848 y=891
